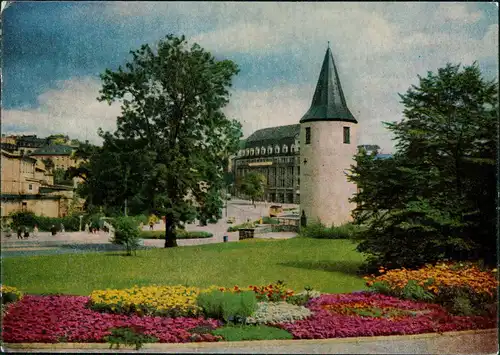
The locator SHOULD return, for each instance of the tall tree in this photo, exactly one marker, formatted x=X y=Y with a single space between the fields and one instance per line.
x=436 y=197
x=253 y=185
x=172 y=98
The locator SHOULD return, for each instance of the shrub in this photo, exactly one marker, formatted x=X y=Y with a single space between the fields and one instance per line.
x=10 y=294
x=251 y=332
x=126 y=233
x=302 y=298
x=227 y=306
x=318 y=230
x=284 y=228
x=128 y=336
x=29 y=219
x=277 y=312
x=269 y=220
x=171 y=301
x=239 y=226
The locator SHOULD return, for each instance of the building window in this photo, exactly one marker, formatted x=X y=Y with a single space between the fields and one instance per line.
x=30 y=187
x=24 y=206
x=269 y=150
x=308 y=135
x=292 y=148
x=262 y=150
x=257 y=151
x=247 y=152
x=276 y=149
x=285 y=148
x=347 y=135
x=251 y=151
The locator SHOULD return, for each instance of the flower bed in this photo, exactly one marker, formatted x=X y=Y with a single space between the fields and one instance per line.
x=434 y=278
x=174 y=301
x=463 y=288
x=333 y=318
x=51 y=319
x=277 y=312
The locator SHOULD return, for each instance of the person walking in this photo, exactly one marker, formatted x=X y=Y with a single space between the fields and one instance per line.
x=62 y=228
x=19 y=232
x=35 y=231
x=53 y=230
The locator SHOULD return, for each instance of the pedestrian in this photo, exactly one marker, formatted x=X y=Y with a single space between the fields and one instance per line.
x=87 y=228
x=53 y=230
x=35 y=231
x=26 y=233
x=19 y=232
x=151 y=226
x=62 y=228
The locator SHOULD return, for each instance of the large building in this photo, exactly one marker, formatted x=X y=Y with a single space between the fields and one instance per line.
x=306 y=163
x=27 y=186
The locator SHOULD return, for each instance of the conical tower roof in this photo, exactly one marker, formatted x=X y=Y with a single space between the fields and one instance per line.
x=328 y=103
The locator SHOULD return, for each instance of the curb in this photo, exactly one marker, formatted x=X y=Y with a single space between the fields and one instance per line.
x=249 y=343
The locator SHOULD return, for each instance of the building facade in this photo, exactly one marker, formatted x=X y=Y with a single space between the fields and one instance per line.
x=275 y=153
x=61 y=155
x=27 y=186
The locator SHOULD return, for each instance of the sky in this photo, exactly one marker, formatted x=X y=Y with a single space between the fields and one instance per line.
x=53 y=53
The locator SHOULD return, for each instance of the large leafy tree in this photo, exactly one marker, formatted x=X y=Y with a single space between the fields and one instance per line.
x=253 y=185
x=172 y=121
x=436 y=197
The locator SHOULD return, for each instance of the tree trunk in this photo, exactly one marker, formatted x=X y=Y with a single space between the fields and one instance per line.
x=170 y=237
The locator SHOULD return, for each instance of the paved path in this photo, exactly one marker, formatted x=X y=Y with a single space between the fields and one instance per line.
x=482 y=342
x=77 y=242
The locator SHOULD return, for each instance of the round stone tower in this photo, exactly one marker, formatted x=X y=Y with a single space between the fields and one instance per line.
x=328 y=143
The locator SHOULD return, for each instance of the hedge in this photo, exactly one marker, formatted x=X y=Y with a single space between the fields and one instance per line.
x=181 y=234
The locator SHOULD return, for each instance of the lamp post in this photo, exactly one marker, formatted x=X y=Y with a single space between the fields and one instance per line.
x=81 y=217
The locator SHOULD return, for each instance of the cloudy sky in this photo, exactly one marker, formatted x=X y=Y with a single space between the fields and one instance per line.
x=53 y=53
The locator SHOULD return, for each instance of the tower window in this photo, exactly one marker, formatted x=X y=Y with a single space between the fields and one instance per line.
x=308 y=135
x=347 y=135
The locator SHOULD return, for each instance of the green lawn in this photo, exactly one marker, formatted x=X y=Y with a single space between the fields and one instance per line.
x=326 y=265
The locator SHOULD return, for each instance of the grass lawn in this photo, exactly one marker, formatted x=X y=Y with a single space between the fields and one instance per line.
x=326 y=265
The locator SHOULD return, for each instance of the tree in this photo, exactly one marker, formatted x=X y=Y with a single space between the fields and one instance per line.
x=171 y=100
x=435 y=198
x=126 y=233
x=253 y=185
x=49 y=164
x=61 y=177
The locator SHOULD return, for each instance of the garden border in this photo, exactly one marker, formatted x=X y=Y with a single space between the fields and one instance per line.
x=249 y=343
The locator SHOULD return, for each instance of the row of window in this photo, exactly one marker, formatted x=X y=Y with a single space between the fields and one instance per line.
x=347 y=135
x=269 y=150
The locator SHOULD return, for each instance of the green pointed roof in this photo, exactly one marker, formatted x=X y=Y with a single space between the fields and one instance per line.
x=328 y=103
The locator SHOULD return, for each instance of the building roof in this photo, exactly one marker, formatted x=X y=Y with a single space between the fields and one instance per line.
x=328 y=103
x=275 y=134
x=54 y=150
x=30 y=140
x=18 y=156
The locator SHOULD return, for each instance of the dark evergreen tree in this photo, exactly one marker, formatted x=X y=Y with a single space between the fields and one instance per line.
x=436 y=197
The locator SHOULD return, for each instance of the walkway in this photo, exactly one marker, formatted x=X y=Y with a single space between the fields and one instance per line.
x=468 y=342
x=78 y=242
